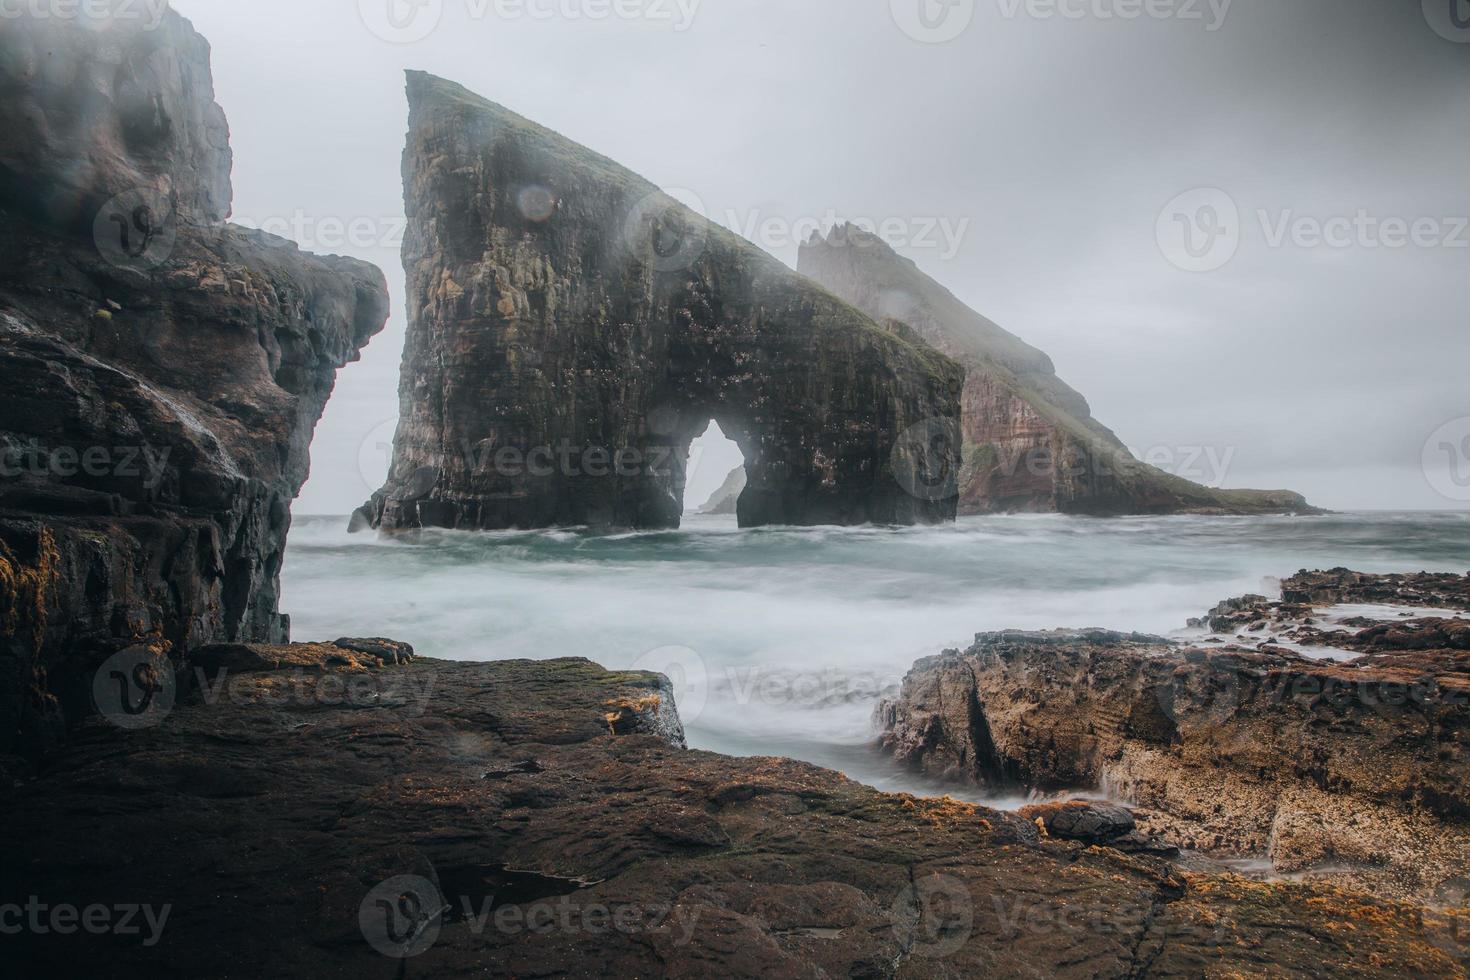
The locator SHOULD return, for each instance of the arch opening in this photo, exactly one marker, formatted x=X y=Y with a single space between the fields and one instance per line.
x=714 y=475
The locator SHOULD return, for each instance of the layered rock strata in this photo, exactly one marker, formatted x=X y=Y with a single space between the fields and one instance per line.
x=1030 y=441
x=163 y=370
x=572 y=329
x=300 y=815
x=1353 y=769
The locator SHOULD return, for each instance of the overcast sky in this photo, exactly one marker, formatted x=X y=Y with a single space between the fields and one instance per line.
x=1034 y=163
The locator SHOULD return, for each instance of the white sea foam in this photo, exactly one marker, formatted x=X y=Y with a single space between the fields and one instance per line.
x=797 y=633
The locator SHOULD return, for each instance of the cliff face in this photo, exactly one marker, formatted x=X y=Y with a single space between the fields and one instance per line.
x=572 y=329
x=163 y=370
x=1350 y=769
x=1030 y=441
x=726 y=499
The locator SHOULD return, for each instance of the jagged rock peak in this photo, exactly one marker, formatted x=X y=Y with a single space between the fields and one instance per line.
x=572 y=329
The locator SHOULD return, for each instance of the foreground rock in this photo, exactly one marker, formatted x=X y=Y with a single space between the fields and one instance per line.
x=572 y=330
x=1030 y=441
x=538 y=819
x=163 y=371
x=1358 y=770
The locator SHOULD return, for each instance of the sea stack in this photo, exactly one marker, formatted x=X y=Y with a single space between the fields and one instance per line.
x=1031 y=444
x=572 y=329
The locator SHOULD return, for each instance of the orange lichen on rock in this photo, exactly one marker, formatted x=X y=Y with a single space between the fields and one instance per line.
x=24 y=590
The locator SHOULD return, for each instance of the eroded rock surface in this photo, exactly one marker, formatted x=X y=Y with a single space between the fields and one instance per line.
x=1030 y=441
x=1354 y=769
x=163 y=371
x=541 y=819
x=572 y=329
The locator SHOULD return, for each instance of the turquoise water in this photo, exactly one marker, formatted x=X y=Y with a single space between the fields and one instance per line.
x=781 y=641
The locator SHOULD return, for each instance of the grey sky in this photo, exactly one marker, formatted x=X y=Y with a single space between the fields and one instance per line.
x=1025 y=164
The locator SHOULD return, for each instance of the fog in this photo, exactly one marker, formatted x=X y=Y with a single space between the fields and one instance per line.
x=1044 y=163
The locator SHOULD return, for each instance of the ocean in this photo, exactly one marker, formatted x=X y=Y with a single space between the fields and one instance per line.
x=782 y=641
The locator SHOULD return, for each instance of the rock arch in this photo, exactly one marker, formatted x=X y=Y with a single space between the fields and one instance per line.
x=572 y=329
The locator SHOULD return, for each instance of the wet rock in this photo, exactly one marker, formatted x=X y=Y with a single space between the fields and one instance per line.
x=572 y=329
x=163 y=370
x=1355 y=770
x=1082 y=820
x=1030 y=441
x=364 y=840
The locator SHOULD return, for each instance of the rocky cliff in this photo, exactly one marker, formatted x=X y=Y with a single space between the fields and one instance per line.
x=313 y=813
x=572 y=329
x=1352 y=768
x=1030 y=441
x=163 y=370
x=726 y=499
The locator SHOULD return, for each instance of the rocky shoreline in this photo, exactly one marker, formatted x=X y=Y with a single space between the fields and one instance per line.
x=1352 y=770
x=326 y=811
